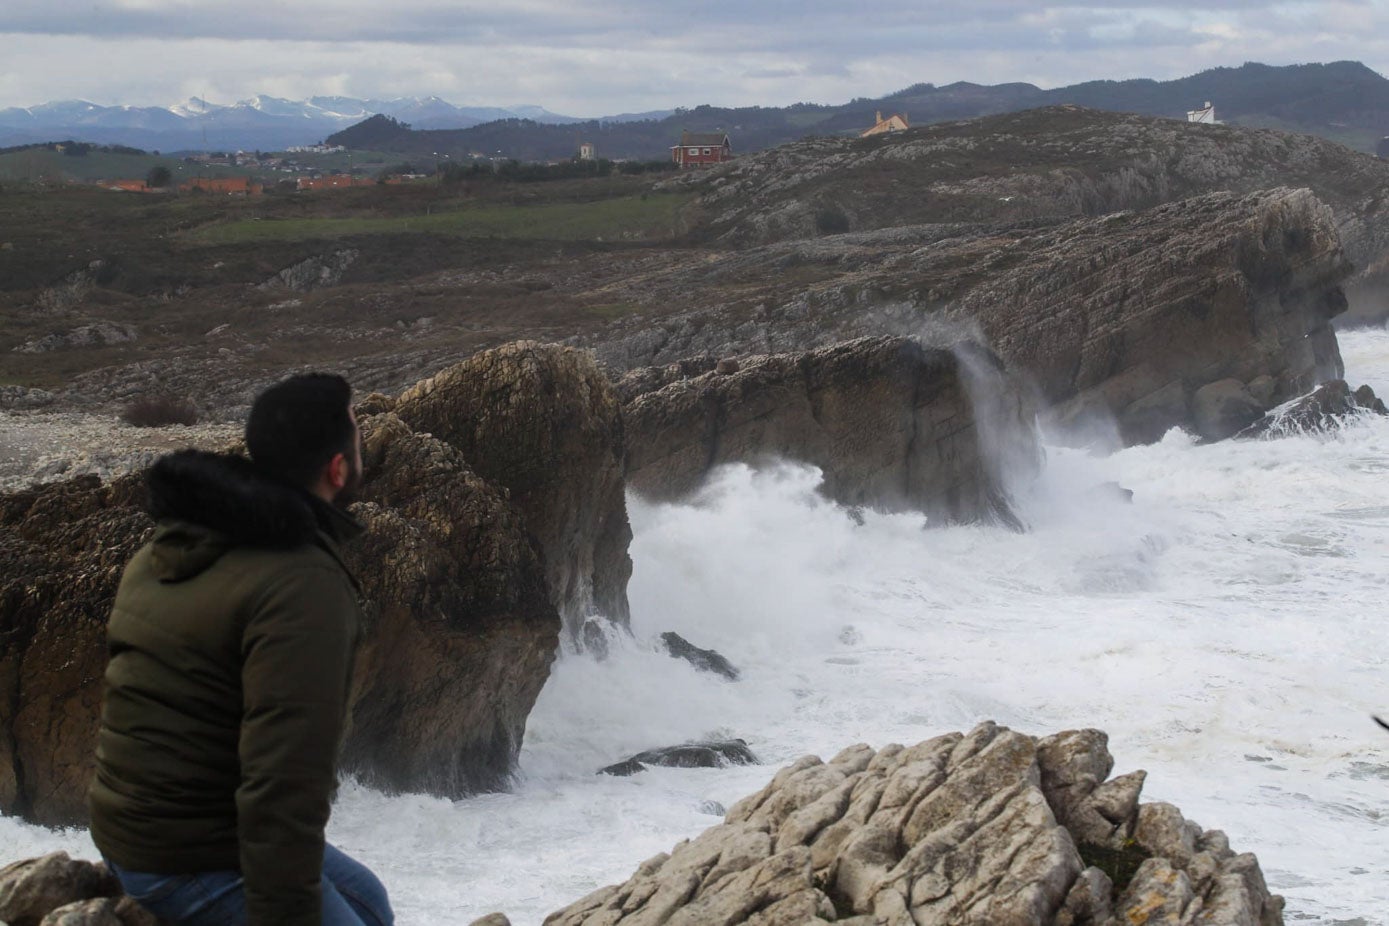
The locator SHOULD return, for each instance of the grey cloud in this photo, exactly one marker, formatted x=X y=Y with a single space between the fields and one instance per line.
x=769 y=24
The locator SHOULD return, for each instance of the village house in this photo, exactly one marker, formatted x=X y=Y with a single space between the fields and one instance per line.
x=893 y=123
x=1204 y=115
x=588 y=151
x=701 y=149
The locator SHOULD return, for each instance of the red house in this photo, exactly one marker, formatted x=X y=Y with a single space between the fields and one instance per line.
x=701 y=149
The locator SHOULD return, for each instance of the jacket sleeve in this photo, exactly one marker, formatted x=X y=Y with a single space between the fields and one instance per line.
x=296 y=658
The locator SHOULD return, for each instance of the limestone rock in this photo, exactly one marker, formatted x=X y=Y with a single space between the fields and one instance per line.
x=22 y=397
x=314 y=272
x=688 y=755
x=491 y=919
x=1127 y=314
x=1326 y=408
x=461 y=622
x=892 y=424
x=1040 y=165
x=62 y=550
x=31 y=889
x=706 y=660
x=97 y=334
x=460 y=631
x=1224 y=408
x=97 y=912
x=963 y=829
x=544 y=422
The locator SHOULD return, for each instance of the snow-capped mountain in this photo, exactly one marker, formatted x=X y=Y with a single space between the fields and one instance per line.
x=262 y=122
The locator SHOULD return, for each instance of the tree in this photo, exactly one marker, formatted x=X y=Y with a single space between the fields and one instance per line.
x=158 y=177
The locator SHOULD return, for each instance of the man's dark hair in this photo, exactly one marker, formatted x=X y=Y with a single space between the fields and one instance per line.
x=298 y=425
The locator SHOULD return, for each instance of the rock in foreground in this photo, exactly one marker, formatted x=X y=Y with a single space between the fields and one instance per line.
x=543 y=421
x=992 y=828
x=478 y=537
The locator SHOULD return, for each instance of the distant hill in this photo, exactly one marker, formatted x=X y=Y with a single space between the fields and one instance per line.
x=1344 y=101
x=260 y=123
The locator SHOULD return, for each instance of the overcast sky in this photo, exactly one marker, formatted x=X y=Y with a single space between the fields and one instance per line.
x=602 y=57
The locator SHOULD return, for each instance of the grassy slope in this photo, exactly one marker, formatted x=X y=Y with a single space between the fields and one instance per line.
x=473 y=261
x=644 y=216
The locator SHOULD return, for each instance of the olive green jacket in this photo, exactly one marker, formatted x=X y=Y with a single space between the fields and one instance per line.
x=231 y=643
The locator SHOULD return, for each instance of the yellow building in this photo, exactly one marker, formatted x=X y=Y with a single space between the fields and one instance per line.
x=894 y=123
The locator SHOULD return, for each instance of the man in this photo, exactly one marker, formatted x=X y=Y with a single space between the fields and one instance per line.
x=231 y=643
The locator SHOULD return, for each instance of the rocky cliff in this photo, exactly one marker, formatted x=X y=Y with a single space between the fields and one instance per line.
x=990 y=828
x=1058 y=162
x=892 y=424
x=543 y=421
x=1130 y=314
x=458 y=572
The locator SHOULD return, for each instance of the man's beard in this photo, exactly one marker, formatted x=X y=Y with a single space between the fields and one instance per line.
x=351 y=488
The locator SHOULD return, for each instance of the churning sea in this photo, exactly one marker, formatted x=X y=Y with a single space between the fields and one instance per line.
x=1228 y=628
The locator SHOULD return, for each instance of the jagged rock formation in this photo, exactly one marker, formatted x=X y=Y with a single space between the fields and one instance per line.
x=97 y=334
x=992 y=828
x=544 y=422
x=457 y=571
x=314 y=272
x=705 y=660
x=1327 y=408
x=891 y=423
x=1129 y=314
x=56 y=890
x=460 y=631
x=687 y=755
x=62 y=550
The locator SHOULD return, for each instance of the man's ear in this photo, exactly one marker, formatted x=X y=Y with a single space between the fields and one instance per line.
x=339 y=470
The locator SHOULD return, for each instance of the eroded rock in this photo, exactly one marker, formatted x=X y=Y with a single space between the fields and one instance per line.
x=32 y=889
x=892 y=424
x=705 y=660
x=462 y=623
x=314 y=272
x=97 y=334
x=1127 y=315
x=980 y=828
x=1329 y=407
x=544 y=422
x=686 y=755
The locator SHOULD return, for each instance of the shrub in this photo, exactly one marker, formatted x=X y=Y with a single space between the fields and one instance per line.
x=830 y=220
x=158 y=411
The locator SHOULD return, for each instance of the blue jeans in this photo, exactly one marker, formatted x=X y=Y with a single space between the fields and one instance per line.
x=352 y=895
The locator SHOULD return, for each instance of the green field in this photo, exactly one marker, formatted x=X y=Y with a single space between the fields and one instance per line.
x=45 y=166
x=627 y=217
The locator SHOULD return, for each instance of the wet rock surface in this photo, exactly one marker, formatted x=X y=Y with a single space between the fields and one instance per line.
x=687 y=755
x=990 y=827
x=891 y=423
x=544 y=422
x=1329 y=407
x=460 y=631
x=1125 y=316
x=705 y=660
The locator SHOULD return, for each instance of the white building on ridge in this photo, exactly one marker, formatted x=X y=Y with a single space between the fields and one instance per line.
x=1205 y=115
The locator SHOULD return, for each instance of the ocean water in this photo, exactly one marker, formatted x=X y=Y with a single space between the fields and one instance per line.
x=1228 y=628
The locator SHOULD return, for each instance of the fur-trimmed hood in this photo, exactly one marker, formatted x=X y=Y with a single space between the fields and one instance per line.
x=206 y=503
